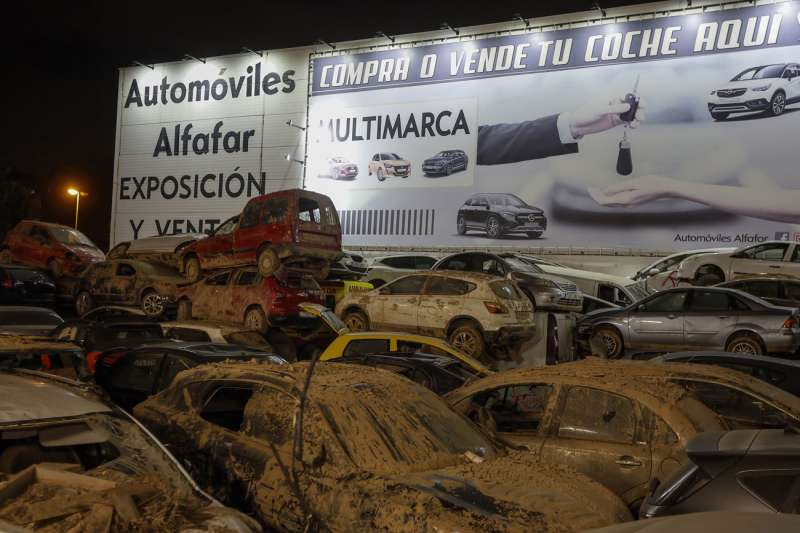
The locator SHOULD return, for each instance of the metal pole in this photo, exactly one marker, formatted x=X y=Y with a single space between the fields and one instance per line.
x=77 y=207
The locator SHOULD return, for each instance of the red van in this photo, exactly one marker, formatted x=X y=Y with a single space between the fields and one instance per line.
x=61 y=249
x=296 y=228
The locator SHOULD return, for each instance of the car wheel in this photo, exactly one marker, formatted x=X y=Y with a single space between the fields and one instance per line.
x=152 y=304
x=268 y=262
x=745 y=344
x=84 y=303
x=5 y=257
x=468 y=339
x=719 y=116
x=191 y=268
x=611 y=341
x=380 y=175
x=534 y=234
x=54 y=266
x=356 y=321
x=184 y=309
x=777 y=104
x=707 y=280
x=493 y=230
x=256 y=320
x=461 y=225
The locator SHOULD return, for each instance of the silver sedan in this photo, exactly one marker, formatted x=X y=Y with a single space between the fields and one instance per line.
x=692 y=319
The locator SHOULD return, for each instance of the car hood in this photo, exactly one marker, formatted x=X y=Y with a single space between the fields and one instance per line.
x=747 y=84
x=398 y=162
x=604 y=313
x=525 y=210
x=86 y=253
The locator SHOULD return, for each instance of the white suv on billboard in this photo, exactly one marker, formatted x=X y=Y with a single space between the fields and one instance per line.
x=768 y=88
x=769 y=259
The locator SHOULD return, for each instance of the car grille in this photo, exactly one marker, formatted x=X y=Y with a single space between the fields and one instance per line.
x=527 y=219
x=730 y=93
x=401 y=169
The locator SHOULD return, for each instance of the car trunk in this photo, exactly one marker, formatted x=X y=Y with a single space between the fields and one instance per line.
x=318 y=222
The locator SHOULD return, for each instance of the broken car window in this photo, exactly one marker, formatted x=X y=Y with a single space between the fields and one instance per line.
x=366 y=346
x=517 y=409
x=308 y=210
x=224 y=406
x=597 y=415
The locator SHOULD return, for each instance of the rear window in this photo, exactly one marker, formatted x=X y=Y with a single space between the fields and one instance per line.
x=129 y=333
x=188 y=334
x=505 y=290
x=308 y=210
x=29 y=318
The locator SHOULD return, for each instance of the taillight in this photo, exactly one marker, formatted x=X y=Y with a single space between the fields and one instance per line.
x=46 y=364
x=495 y=308
x=791 y=322
x=8 y=284
x=91 y=361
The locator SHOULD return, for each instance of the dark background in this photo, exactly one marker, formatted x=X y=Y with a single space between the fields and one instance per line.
x=59 y=75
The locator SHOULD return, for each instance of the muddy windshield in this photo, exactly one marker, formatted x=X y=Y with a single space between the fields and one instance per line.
x=391 y=429
x=71 y=237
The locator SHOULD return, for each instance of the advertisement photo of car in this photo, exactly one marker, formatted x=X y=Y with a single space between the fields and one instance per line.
x=388 y=164
x=767 y=89
x=445 y=163
x=500 y=214
x=339 y=168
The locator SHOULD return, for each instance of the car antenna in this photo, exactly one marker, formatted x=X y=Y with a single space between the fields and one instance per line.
x=624 y=160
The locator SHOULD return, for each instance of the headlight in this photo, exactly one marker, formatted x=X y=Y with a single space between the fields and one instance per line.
x=508 y=214
x=388 y=165
x=544 y=283
x=762 y=88
x=713 y=92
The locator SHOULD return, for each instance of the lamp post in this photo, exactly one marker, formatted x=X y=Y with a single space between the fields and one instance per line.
x=77 y=194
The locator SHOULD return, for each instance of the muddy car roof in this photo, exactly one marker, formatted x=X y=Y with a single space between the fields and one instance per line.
x=28 y=397
x=206 y=349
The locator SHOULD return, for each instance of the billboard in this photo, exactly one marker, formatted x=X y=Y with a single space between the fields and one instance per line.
x=671 y=132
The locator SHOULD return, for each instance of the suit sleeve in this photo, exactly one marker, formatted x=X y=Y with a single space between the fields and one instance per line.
x=511 y=143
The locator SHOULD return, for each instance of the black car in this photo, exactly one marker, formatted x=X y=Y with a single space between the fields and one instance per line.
x=498 y=214
x=24 y=320
x=778 y=291
x=783 y=373
x=131 y=375
x=744 y=470
x=445 y=163
x=20 y=285
x=437 y=373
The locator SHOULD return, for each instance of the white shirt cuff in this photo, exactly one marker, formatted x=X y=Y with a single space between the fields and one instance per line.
x=564 y=134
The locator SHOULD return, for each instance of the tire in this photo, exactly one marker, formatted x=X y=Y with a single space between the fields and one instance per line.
x=191 y=268
x=744 y=343
x=611 y=340
x=379 y=174
x=493 y=228
x=447 y=170
x=719 y=116
x=5 y=257
x=534 y=234
x=707 y=280
x=268 y=262
x=461 y=226
x=777 y=104
x=255 y=319
x=468 y=339
x=356 y=321
x=83 y=303
x=152 y=304
x=184 y=309
x=55 y=268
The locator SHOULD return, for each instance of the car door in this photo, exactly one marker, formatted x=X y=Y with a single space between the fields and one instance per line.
x=441 y=300
x=397 y=304
x=216 y=250
x=205 y=303
x=595 y=432
x=242 y=291
x=768 y=259
x=658 y=322
x=711 y=316
x=121 y=287
x=247 y=236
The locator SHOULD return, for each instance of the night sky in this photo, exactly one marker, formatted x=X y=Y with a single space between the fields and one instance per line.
x=59 y=70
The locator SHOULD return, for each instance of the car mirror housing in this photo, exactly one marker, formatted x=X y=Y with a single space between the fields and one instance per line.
x=653 y=272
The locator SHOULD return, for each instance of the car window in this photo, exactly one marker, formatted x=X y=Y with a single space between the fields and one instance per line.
x=408 y=285
x=505 y=290
x=493 y=267
x=671 y=302
x=773 y=251
x=247 y=277
x=219 y=279
x=137 y=372
x=366 y=346
x=420 y=347
x=188 y=334
x=660 y=432
x=597 y=415
x=792 y=290
x=249 y=216
x=440 y=286
x=406 y=262
x=224 y=405
x=454 y=263
x=778 y=488
x=710 y=301
x=737 y=409
x=308 y=210
x=762 y=289
x=274 y=425
x=173 y=365
x=613 y=294
x=227 y=227
x=275 y=210
x=515 y=409
x=424 y=263
x=126 y=270
x=796 y=254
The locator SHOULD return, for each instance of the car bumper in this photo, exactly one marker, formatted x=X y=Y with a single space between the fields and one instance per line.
x=397 y=171
x=538 y=224
x=346 y=175
x=559 y=301
x=515 y=334
x=738 y=105
x=431 y=169
x=785 y=341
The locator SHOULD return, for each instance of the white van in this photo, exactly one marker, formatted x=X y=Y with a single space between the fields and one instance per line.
x=615 y=289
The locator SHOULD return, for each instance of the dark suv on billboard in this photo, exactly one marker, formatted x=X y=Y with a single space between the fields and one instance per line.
x=445 y=163
x=497 y=214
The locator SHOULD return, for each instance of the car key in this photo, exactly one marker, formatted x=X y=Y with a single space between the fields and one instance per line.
x=631 y=98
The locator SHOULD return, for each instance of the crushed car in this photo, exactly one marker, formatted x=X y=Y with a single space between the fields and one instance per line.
x=360 y=449
x=294 y=228
x=72 y=462
x=163 y=249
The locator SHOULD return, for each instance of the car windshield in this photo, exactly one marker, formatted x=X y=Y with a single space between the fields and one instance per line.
x=507 y=199
x=758 y=73
x=522 y=265
x=71 y=237
x=395 y=156
x=388 y=428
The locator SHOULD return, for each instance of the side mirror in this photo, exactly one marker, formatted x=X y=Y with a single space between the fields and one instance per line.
x=653 y=272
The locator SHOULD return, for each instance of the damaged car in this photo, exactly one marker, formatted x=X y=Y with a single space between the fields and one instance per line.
x=361 y=449
x=131 y=282
x=72 y=462
x=163 y=249
x=294 y=228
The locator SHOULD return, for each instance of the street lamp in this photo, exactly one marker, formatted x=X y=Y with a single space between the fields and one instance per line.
x=77 y=194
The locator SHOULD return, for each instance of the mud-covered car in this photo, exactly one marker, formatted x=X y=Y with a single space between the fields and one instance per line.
x=150 y=286
x=388 y=164
x=385 y=269
x=20 y=285
x=294 y=228
x=60 y=249
x=73 y=461
x=215 y=331
x=624 y=423
x=164 y=249
x=243 y=296
x=477 y=313
x=498 y=214
x=373 y=452
x=25 y=320
x=339 y=168
x=445 y=163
